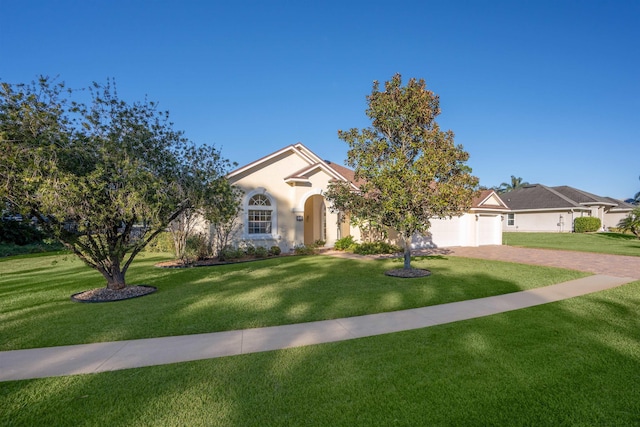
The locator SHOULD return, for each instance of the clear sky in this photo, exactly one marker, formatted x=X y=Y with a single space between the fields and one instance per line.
x=544 y=90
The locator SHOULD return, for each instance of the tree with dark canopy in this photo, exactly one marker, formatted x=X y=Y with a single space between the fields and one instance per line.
x=104 y=178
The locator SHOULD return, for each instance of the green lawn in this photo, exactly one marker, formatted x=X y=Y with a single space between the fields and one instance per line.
x=574 y=362
x=606 y=243
x=37 y=312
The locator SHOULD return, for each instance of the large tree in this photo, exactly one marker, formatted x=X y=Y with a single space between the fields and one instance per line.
x=103 y=177
x=407 y=170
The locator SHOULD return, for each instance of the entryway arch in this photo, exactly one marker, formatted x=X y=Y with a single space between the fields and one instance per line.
x=315 y=219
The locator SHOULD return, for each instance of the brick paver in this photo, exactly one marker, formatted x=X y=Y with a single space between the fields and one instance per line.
x=612 y=265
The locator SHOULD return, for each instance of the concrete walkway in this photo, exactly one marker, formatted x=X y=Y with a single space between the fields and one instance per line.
x=110 y=356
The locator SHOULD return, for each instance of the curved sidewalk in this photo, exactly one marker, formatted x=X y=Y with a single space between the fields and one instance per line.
x=110 y=356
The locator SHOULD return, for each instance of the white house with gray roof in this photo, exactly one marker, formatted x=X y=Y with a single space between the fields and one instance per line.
x=537 y=207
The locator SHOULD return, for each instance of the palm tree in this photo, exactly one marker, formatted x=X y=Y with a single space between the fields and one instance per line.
x=631 y=222
x=635 y=200
x=515 y=183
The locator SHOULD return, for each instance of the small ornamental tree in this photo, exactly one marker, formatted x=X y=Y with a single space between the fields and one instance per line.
x=631 y=222
x=207 y=189
x=103 y=178
x=407 y=169
x=223 y=212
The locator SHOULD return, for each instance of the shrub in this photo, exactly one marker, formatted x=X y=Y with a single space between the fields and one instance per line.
x=197 y=247
x=344 y=244
x=274 y=250
x=19 y=233
x=586 y=224
x=318 y=243
x=249 y=249
x=375 y=248
x=47 y=245
x=261 y=252
x=229 y=252
x=304 y=250
x=163 y=242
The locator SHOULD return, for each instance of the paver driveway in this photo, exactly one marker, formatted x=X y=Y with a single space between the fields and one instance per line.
x=612 y=265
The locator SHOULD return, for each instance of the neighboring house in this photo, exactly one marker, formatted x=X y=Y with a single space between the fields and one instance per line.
x=283 y=205
x=537 y=207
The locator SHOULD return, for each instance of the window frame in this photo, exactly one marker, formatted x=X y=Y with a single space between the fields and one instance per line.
x=511 y=219
x=260 y=218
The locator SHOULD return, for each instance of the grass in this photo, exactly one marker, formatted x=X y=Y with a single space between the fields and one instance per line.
x=37 y=312
x=606 y=243
x=573 y=362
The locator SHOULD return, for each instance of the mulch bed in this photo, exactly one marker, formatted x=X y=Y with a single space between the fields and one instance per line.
x=408 y=273
x=176 y=263
x=109 y=295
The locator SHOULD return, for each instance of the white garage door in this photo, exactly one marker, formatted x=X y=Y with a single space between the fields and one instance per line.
x=446 y=232
x=489 y=230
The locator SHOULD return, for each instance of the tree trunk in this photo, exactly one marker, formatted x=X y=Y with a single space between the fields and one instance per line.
x=115 y=279
x=407 y=252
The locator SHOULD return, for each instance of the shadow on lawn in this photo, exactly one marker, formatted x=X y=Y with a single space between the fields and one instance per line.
x=304 y=290
x=210 y=299
x=616 y=236
x=574 y=362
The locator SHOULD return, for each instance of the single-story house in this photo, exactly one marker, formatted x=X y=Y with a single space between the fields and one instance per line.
x=283 y=205
x=537 y=207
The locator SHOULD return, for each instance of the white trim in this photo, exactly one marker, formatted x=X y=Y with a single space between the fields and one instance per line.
x=566 y=209
x=296 y=149
x=245 y=216
x=502 y=204
x=299 y=208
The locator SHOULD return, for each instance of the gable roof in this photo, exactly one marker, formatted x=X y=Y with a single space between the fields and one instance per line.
x=541 y=197
x=314 y=163
x=302 y=174
x=297 y=149
x=488 y=200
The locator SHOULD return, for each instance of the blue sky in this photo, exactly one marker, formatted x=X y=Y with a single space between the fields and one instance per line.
x=545 y=90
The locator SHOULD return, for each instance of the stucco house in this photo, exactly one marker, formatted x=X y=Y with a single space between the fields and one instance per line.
x=283 y=205
x=540 y=208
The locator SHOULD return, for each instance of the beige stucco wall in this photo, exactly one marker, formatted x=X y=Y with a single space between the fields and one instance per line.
x=547 y=221
x=611 y=219
x=290 y=198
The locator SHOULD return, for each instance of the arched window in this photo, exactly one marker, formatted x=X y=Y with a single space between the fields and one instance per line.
x=260 y=215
